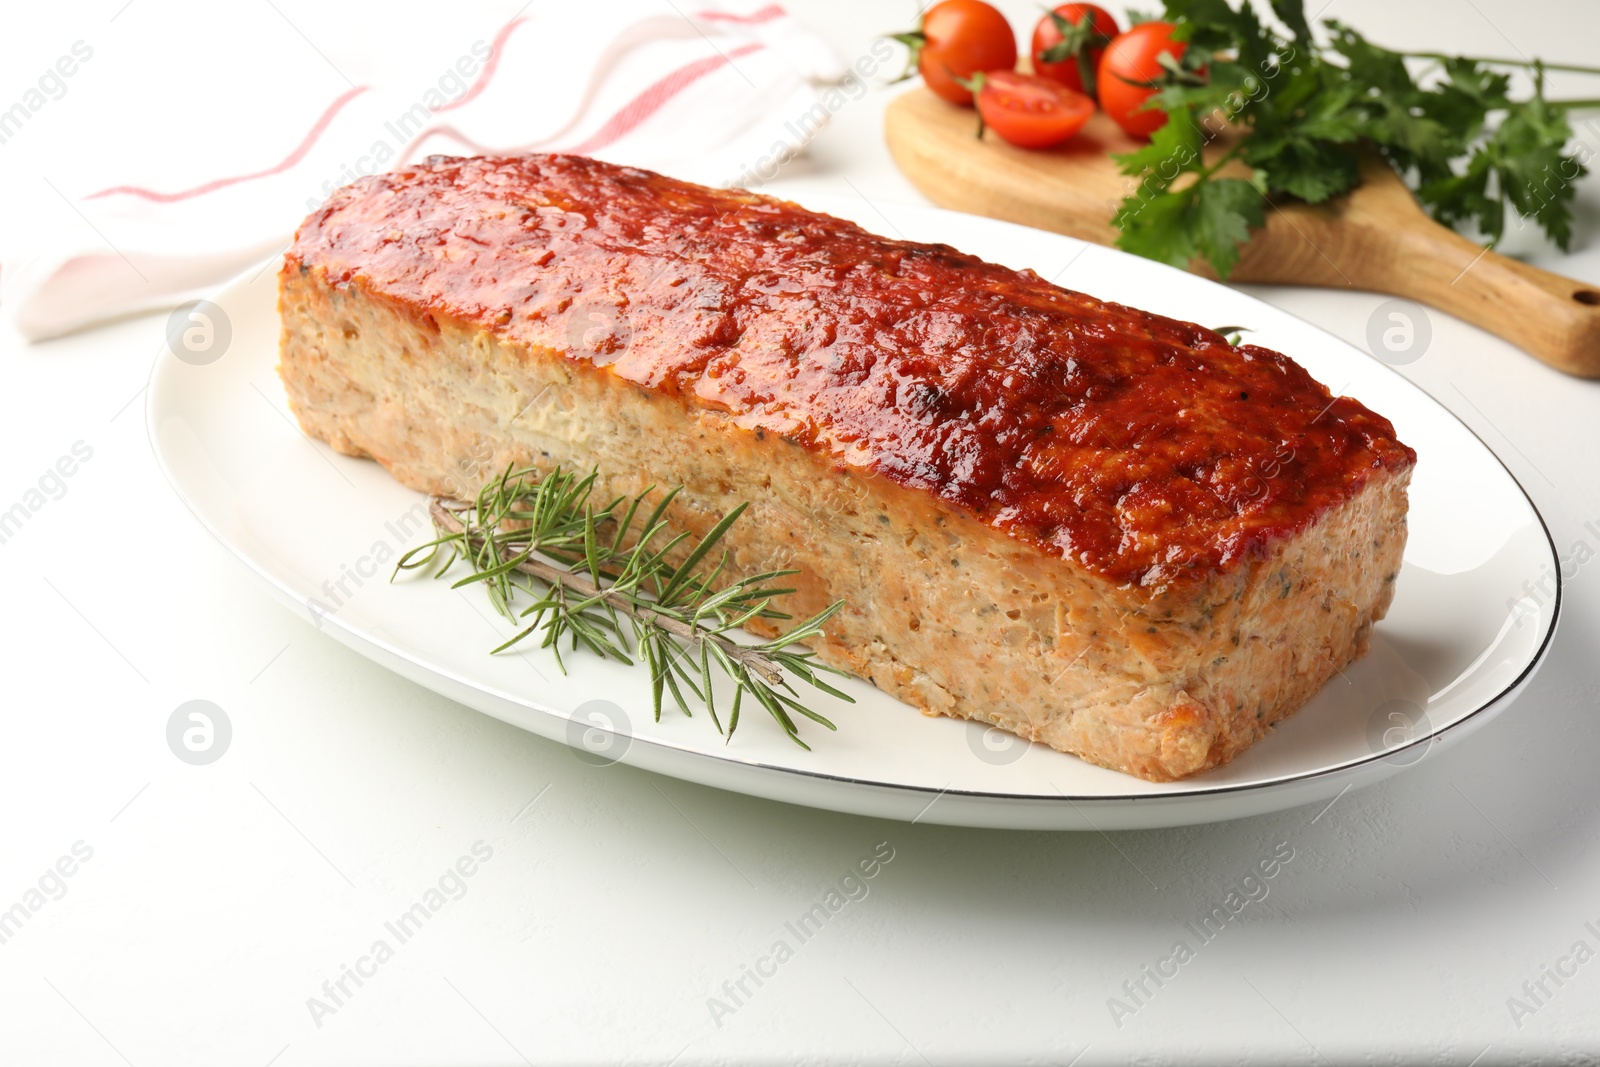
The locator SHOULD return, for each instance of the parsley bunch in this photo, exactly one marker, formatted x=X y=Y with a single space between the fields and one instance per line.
x=1296 y=113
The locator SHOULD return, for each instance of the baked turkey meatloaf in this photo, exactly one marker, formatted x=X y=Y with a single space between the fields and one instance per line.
x=1101 y=529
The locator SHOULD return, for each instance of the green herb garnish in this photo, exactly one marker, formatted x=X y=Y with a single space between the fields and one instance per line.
x=589 y=568
x=1298 y=113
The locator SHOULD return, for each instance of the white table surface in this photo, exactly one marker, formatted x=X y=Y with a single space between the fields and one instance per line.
x=217 y=899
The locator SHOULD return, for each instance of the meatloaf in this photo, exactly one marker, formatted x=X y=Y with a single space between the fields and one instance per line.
x=1110 y=532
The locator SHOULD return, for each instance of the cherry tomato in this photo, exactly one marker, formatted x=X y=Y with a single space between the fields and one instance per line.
x=1029 y=111
x=1130 y=63
x=1068 y=44
x=957 y=39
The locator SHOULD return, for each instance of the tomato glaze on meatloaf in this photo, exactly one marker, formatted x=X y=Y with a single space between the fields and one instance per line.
x=1130 y=463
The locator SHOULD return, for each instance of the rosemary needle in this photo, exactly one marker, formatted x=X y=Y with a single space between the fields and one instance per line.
x=594 y=576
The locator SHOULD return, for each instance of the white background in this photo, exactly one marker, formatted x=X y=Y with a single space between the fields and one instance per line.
x=219 y=898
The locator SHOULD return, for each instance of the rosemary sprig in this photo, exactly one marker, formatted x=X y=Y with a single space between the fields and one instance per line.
x=589 y=568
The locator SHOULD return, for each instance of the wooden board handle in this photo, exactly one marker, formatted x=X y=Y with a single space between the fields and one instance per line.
x=1378 y=238
x=1551 y=317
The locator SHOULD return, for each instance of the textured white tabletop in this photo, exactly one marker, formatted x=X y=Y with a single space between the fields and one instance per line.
x=206 y=905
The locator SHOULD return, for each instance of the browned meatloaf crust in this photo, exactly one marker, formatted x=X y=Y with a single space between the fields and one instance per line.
x=1107 y=531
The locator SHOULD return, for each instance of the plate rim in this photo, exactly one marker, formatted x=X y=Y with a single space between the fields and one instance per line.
x=1359 y=768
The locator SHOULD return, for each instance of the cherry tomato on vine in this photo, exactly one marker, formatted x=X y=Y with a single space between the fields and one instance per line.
x=957 y=39
x=1027 y=110
x=1068 y=43
x=1130 y=66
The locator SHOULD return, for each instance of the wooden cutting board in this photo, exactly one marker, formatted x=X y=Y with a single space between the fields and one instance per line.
x=1377 y=238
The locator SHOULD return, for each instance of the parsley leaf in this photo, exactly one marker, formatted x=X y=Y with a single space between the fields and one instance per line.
x=1225 y=211
x=1175 y=222
x=1293 y=15
x=1521 y=164
x=1173 y=149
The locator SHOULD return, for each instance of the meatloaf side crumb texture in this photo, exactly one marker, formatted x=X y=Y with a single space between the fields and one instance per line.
x=1104 y=530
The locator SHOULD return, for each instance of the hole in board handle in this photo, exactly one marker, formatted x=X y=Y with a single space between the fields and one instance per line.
x=1587 y=296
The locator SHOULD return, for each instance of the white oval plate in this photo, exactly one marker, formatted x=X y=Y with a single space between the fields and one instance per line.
x=1475 y=608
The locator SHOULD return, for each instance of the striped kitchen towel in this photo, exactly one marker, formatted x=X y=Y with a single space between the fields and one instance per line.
x=123 y=220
